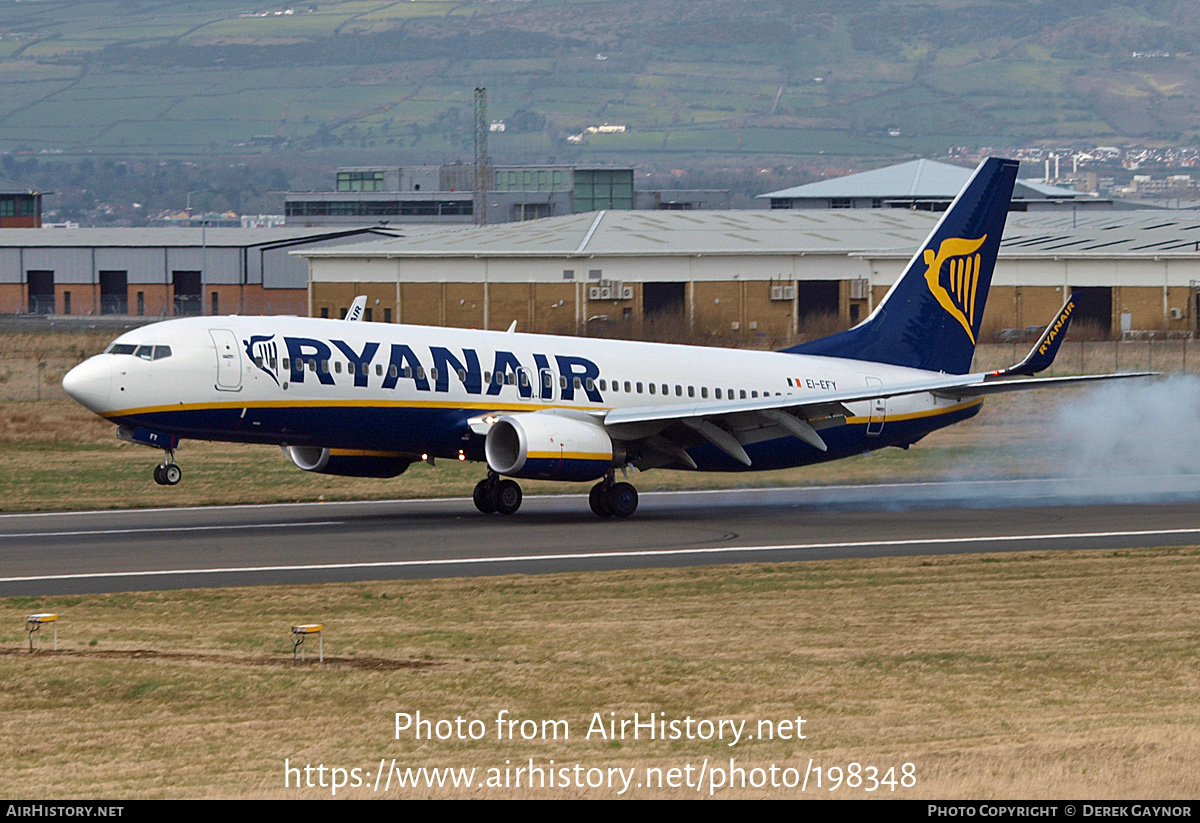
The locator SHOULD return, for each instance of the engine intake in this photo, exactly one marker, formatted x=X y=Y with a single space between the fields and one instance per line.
x=549 y=447
x=349 y=463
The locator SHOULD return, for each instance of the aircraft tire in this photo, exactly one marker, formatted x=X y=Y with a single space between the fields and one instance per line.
x=507 y=496
x=621 y=499
x=171 y=474
x=483 y=498
x=158 y=476
x=596 y=501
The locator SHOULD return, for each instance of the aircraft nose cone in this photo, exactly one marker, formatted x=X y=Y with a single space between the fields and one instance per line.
x=90 y=383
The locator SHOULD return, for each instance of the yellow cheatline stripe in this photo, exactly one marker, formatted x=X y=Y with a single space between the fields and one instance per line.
x=364 y=453
x=327 y=404
x=570 y=456
x=447 y=404
x=927 y=413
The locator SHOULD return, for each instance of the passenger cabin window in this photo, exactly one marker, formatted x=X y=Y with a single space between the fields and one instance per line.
x=337 y=366
x=652 y=388
x=691 y=391
x=704 y=391
x=718 y=394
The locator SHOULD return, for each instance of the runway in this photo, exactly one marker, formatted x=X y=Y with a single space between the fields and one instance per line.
x=82 y=552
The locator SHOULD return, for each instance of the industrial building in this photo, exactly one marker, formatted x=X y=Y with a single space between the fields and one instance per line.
x=445 y=195
x=20 y=206
x=160 y=272
x=926 y=185
x=768 y=272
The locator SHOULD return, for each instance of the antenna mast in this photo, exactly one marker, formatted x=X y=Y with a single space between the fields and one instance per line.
x=481 y=156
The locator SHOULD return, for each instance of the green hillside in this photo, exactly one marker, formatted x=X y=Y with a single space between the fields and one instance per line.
x=687 y=77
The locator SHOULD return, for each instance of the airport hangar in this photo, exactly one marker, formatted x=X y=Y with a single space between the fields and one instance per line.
x=762 y=273
x=161 y=272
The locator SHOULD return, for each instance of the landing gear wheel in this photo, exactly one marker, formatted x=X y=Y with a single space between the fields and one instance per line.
x=158 y=475
x=621 y=499
x=483 y=497
x=596 y=501
x=507 y=496
x=171 y=474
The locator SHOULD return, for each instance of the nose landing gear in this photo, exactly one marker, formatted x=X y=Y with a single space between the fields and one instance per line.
x=168 y=472
x=493 y=494
x=609 y=499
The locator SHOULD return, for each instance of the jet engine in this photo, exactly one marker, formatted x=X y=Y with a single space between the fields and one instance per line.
x=349 y=463
x=549 y=447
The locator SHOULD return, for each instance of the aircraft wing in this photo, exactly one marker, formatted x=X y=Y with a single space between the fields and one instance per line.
x=730 y=423
x=999 y=386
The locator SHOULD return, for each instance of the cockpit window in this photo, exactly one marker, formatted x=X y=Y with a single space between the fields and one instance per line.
x=161 y=351
x=121 y=348
x=145 y=352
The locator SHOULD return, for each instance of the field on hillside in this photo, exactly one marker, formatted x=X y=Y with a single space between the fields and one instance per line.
x=686 y=77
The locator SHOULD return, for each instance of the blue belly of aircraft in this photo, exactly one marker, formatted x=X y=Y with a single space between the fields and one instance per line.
x=443 y=432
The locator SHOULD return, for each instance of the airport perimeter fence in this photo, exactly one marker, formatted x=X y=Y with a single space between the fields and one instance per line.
x=32 y=364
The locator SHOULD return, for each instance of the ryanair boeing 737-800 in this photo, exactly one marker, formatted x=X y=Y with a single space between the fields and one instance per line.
x=368 y=399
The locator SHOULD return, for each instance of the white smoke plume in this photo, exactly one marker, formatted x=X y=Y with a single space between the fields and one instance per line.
x=1134 y=428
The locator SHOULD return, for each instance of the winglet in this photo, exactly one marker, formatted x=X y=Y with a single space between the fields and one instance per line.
x=357 y=307
x=1043 y=352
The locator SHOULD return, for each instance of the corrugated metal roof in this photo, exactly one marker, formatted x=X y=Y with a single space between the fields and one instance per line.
x=881 y=232
x=625 y=233
x=174 y=237
x=919 y=179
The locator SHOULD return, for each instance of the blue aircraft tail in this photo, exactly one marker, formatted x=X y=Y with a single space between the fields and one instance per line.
x=930 y=319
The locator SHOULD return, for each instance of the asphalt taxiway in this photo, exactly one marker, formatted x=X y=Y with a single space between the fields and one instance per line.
x=132 y=550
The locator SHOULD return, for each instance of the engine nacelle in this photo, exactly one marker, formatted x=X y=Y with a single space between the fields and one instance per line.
x=348 y=462
x=548 y=447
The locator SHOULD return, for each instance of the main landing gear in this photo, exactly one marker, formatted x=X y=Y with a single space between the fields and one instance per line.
x=168 y=472
x=492 y=494
x=609 y=499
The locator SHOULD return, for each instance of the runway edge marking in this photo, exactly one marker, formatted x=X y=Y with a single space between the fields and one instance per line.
x=462 y=561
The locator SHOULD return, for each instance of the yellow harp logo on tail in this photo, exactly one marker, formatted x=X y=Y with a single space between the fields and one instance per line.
x=957 y=297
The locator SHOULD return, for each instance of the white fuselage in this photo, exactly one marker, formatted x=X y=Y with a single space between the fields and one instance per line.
x=415 y=389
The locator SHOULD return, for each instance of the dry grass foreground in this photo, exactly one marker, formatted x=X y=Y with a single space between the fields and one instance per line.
x=1051 y=675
